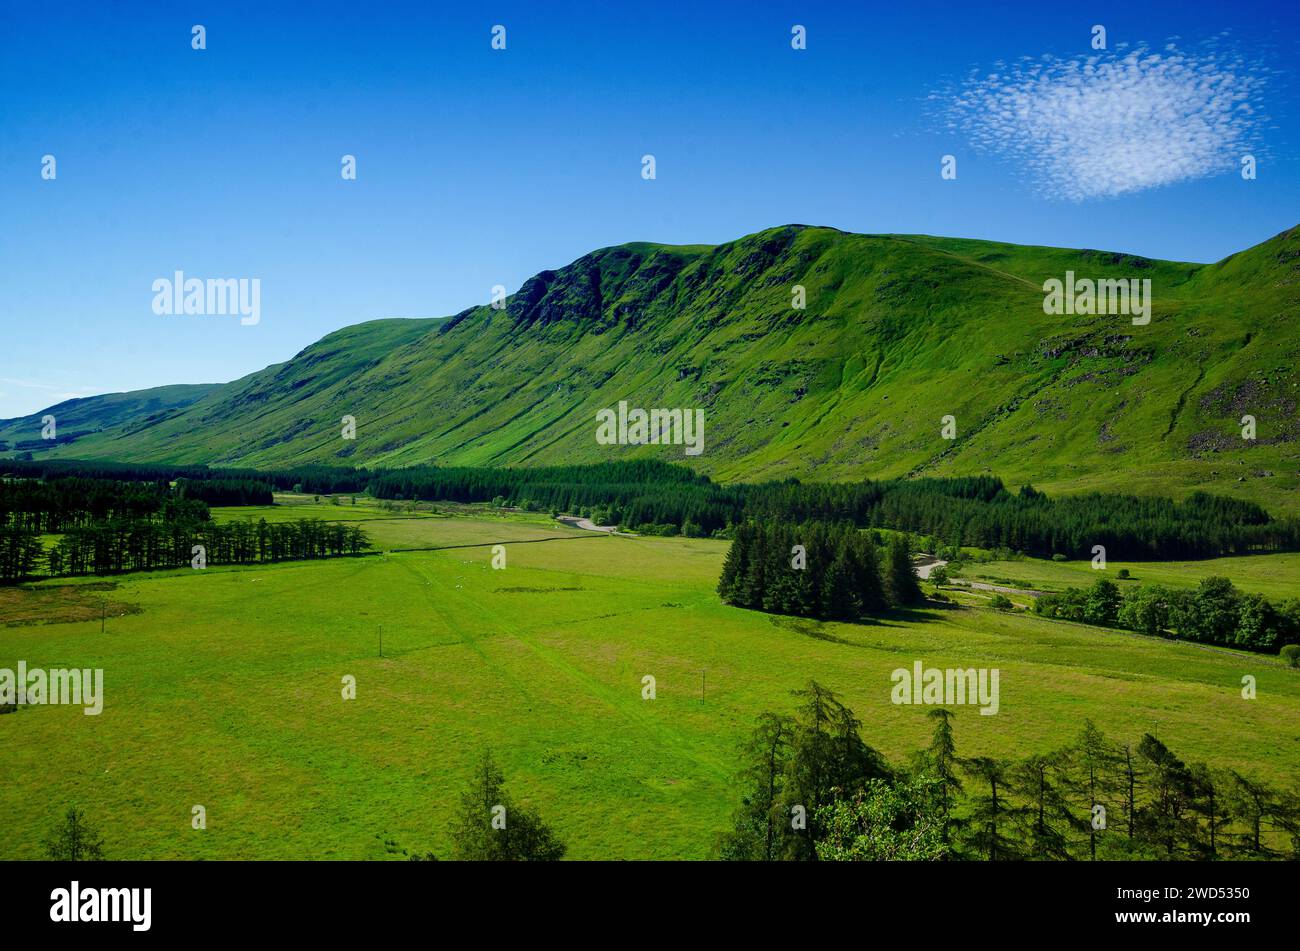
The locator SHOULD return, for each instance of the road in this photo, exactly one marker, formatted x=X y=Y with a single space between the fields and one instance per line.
x=586 y=523
x=923 y=571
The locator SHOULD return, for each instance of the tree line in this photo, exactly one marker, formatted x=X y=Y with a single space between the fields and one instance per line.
x=226 y=491
x=663 y=498
x=635 y=492
x=814 y=790
x=822 y=570
x=1215 y=612
x=312 y=479
x=59 y=504
x=977 y=511
x=106 y=527
x=145 y=545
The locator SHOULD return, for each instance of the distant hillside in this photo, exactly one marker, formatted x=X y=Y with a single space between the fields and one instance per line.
x=77 y=420
x=899 y=331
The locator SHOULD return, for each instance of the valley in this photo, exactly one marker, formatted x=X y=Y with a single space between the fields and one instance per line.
x=222 y=688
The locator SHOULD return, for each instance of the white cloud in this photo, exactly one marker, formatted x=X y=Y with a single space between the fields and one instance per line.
x=1108 y=124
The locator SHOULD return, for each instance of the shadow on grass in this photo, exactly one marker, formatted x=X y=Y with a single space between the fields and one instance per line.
x=897 y=617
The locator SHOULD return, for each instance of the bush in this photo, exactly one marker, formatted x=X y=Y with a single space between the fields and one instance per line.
x=1102 y=603
x=1210 y=614
x=1000 y=602
x=1146 y=609
x=1059 y=557
x=1291 y=654
x=650 y=528
x=906 y=821
x=1123 y=574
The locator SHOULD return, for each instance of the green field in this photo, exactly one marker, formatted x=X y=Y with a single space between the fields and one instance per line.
x=1277 y=576
x=223 y=689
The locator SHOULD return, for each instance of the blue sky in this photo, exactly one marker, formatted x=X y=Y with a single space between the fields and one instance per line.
x=478 y=167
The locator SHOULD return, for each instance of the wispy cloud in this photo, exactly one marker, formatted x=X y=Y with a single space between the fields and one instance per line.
x=1105 y=125
x=24 y=397
x=61 y=389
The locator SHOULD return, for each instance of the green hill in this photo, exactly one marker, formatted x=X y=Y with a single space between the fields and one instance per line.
x=899 y=331
x=79 y=420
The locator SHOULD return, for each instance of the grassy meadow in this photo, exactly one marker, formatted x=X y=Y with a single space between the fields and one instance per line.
x=223 y=689
x=1276 y=576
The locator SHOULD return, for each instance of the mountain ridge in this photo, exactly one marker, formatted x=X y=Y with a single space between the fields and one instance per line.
x=899 y=331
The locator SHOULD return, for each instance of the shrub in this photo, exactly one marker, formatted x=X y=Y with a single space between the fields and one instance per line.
x=1059 y=557
x=1102 y=603
x=1146 y=609
x=1291 y=654
x=1000 y=602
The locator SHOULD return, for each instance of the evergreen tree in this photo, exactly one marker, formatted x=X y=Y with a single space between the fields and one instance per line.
x=1046 y=819
x=868 y=588
x=491 y=827
x=1208 y=802
x=940 y=759
x=75 y=840
x=1092 y=782
x=1165 y=821
x=760 y=827
x=1253 y=804
x=826 y=754
x=735 y=566
x=900 y=582
x=839 y=601
x=990 y=814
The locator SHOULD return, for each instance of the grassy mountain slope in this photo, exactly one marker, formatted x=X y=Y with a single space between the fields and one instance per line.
x=898 y=332
x=78 y=420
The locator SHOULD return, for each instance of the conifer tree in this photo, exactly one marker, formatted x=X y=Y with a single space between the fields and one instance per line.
x=901 y=586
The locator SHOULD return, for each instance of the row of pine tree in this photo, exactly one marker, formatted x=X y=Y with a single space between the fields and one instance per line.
x=813 y=789
x=818 y=570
